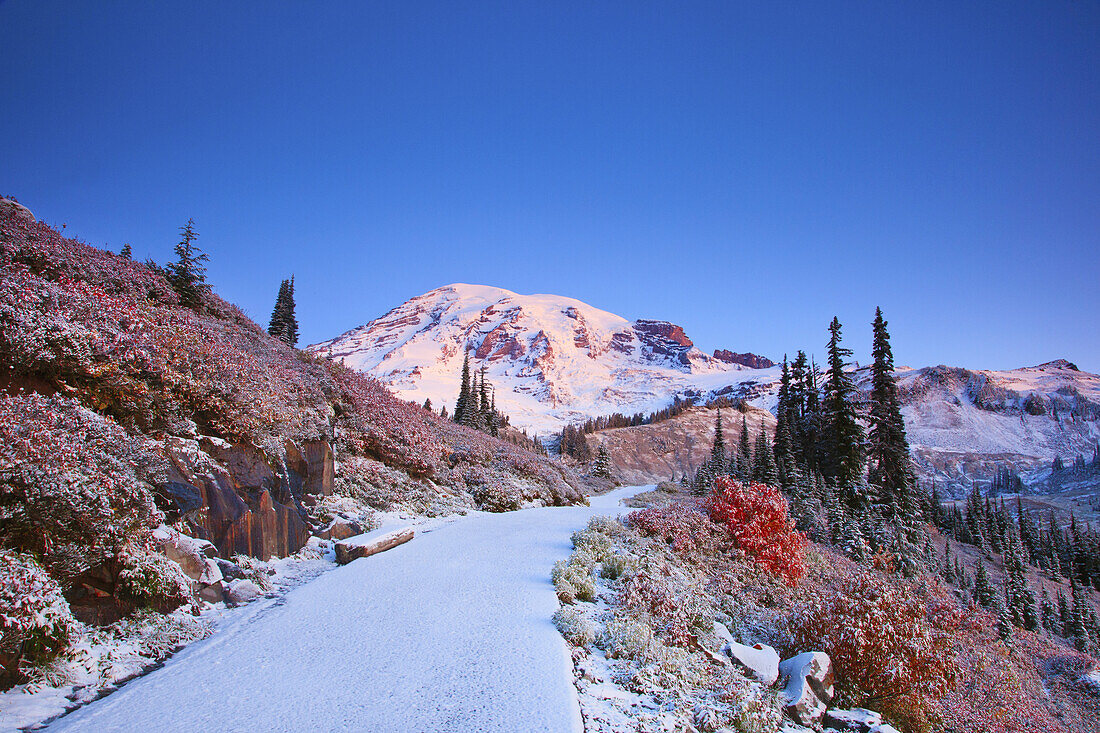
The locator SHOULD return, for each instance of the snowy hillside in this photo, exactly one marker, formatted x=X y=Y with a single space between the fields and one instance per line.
x=551 y=359
x=554 y=360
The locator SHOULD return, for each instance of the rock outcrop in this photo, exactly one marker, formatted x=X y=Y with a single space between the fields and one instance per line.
x=748 y=359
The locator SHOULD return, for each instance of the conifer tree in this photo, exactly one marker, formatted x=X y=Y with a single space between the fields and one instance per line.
x=843 y=438
x=718 y=449
x=601 y=466
x=744 y=452
x=888 y=449
x=763 y=467
x=983 y=589
x=126 y=252
x=428 y=404
x=463 y=390
x=283 y=324
x=187 y=274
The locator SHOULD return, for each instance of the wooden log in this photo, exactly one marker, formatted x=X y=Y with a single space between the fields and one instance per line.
x=348 y=550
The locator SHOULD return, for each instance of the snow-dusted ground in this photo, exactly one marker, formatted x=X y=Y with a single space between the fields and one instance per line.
x=448 y=632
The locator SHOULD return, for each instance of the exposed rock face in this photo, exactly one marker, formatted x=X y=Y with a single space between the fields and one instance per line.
x=664 y=342
x=247 y=506
x=750 y=360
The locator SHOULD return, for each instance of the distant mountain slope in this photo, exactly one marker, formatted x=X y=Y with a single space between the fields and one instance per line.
x=552 y=359
x=555 y=360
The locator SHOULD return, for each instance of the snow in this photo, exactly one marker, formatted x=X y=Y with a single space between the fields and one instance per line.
x=760 y=660
x=450 y=631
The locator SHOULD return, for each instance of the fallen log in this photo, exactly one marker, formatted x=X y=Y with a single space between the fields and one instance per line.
x=349 y=549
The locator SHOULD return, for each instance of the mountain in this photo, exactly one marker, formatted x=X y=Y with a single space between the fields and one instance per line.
x=552 y=359
x=555 y=360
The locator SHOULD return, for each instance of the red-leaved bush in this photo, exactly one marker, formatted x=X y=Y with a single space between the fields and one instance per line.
x=756 y=517
x=890 y=647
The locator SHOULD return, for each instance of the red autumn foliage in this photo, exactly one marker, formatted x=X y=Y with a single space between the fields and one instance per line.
x=756 y=516
x=682 y=525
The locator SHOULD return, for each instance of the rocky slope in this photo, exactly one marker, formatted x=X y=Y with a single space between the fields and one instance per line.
x=555 y=360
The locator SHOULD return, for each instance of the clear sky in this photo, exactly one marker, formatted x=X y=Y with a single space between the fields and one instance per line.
x=747 y=170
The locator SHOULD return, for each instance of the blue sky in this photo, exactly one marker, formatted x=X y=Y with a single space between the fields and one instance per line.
x=747 y=170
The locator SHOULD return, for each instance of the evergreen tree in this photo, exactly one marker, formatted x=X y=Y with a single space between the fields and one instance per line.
x=463 y=390
x=601 y=466
x=763 y=466
x=428 y=404
x=888 y=449
x=843 y=438
x=187 y=274
x=744 y=452
x=283 y=324
x=718 y=449
x=983 y=589
x=126 y=252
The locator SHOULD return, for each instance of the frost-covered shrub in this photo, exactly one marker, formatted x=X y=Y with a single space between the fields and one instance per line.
x=756 y=517
x=73 y=485
x=607 y=526
x=573 y=581
x=493 y=497
x=577 y=629
x=255 y=570
x=682 y=525
x=676 y=606
x=594 y=543
x=152 y=580
x=615 y=566
x=624 y=637
x=35 y=621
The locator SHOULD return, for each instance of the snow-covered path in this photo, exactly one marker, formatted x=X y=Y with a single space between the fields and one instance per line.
x=450 y=632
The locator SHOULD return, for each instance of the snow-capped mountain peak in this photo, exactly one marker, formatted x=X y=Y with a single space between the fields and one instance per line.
x=551 y=358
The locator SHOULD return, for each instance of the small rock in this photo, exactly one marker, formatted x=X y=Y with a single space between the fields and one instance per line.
x=809 y=686
x=857 y=720
x=230 y=570
x=759 y=660
x=243 y=590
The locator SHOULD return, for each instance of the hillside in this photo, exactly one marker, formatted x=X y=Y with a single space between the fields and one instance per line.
x=121 y=410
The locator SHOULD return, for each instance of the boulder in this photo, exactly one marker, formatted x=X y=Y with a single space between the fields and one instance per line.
x=230 y=570
x=760 y=661
x=857 y=720
x=340 y=529
x=195 y=557
x=243 y=590
x=213 y=593
x=808 y=686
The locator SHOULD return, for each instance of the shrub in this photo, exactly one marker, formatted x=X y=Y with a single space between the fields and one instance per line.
x=884 y=640
x=615 y=566
x=575 y=627
x=573 y=581
x=35 y=621
x=681 y=525
x=152 y=580
x=677 y=606
x=595 y=544
x=73 y=485
x=757 y=520
x=626 y=638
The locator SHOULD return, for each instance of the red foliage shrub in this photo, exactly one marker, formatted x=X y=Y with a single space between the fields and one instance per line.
x=757 y=519
x=895 y=649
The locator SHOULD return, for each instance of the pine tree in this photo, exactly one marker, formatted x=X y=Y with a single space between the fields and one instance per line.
x=744 y=454
x=843 y=438
x=428 y=404
x=983 y=589
x=283 y=324
x=601 y=466
x=187 y=274
x=718 y=449
x=126 y=252
x=888 y=449
x=463 y=390
x=763 y=467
